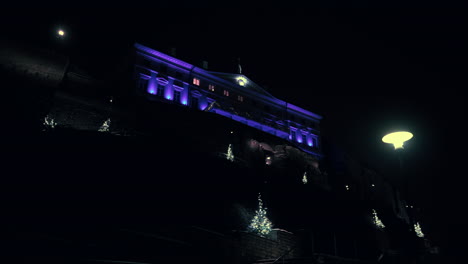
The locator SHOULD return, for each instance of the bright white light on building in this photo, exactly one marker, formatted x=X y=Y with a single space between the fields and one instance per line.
x=347 y=187
x=61 y=33
x=241 y=80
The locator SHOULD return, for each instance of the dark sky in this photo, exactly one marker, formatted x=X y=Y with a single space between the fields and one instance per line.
x=368 y=70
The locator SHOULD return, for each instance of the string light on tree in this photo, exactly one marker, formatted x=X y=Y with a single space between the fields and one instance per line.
x=230 y=154
x=377 y=220
x=417 y=229
x=105 y=126
x=49 y=123
x=260 y=224
x=304 y=178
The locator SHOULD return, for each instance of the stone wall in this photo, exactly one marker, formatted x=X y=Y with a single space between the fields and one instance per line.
x=254 y=247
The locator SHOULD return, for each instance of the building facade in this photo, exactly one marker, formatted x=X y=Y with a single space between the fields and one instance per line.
x=321 y=214
x=161 y=77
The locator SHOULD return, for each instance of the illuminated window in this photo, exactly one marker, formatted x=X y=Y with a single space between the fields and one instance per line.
x=196 y=81
x=226 y=92
x=240 y=98
x=211 y=87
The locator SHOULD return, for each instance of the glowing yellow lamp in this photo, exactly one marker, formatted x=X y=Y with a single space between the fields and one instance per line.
x=397 y=138
x=61 y=33
x=241 y=80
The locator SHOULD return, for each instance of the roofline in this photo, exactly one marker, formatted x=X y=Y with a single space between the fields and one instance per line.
x=194 y=68
x=163 y=56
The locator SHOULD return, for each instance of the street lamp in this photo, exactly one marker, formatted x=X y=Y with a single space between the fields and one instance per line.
x=61 y=34
x=397 y=138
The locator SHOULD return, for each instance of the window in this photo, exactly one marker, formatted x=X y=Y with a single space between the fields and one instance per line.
x=292 y=134
x=240 y=98
x=178 y=83
x=226 y=92
x=211 y=87
x=143 y=83
x=194 y=102
x=160 y=90
x=177 y=96
x=196 y=81
x=314 y=142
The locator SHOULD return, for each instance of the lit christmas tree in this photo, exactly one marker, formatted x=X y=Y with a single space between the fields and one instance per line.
x=260 y=223
x=230 y=155
x=377 y=220
x=417 y=229
x=105 y=126
x=304 y=178
x=49 y=123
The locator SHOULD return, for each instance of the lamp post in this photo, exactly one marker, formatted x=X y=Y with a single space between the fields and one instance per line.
x=61 y=34
x=397 y=139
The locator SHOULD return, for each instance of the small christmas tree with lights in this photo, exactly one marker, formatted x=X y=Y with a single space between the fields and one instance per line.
x=417 y=229
x=49 y=123
x=260 y=224
x=377 y=221
x=105 y=126
x=304 y=178
x=230 y=155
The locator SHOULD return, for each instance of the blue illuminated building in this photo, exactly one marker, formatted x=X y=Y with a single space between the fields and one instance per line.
x=163 y=78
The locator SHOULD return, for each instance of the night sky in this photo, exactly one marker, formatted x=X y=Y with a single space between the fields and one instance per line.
x=367 y=70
